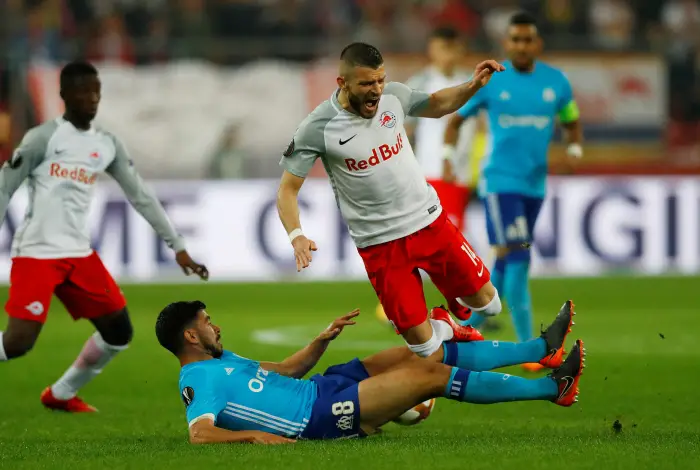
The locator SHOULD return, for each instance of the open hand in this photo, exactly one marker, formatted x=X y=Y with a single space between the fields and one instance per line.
x=189 y=266
x=335 y=328
x=302 y=251
x=484 y=70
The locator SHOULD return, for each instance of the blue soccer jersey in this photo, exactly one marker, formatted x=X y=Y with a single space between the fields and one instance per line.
x=522 y=110
x=240 y=395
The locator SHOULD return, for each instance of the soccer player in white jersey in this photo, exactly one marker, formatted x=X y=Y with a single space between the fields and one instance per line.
x=447 y=173
x=393 y=215
x=51 y=254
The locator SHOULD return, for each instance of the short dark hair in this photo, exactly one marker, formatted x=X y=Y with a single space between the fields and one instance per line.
x=172 y=322
x=523 y=18
x=444 y=32
x=74 y=70
x=362 y=55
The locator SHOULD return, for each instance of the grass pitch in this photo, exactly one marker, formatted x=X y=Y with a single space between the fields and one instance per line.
x=643 y=372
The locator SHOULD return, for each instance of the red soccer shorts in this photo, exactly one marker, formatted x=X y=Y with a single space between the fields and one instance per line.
x=440 y=250
x=453 y=199
x=83 y=285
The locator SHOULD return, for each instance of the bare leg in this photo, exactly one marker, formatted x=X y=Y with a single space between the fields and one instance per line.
x=386 y=396
x=393 y=358
x=19 y=337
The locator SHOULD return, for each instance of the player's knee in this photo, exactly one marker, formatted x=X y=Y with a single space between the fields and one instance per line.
x=486 y=302
x=116 y=329
x=18 y=343
x=501 y=252
x=518 y=255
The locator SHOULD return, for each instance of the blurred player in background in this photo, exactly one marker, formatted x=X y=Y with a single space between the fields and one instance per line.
x=448 y=174
x=230 y=399
x=393 y=215
x=523 y=105
x=61 y=161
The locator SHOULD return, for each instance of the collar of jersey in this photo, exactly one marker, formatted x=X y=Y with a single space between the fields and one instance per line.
x=60 y=121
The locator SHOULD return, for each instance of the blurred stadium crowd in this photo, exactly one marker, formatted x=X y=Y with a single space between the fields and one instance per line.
x=233 y=32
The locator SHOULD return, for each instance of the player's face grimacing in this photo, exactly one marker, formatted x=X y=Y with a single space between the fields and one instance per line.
x=364 y=88
x=208 y=335
x=83 y=96
x=522 y=45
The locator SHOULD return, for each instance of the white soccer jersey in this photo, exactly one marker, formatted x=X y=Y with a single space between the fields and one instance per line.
x=378 y=184
x=61 y=164
x=430 y=133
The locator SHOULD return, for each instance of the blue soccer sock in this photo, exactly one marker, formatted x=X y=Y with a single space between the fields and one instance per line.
x=492 y=387
x=517 y=294
x=488 y=355
x=477 y=319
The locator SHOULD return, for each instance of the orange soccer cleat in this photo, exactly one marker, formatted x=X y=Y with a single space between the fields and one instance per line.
x=462 y=333
x=568 y=375
x=72 y=405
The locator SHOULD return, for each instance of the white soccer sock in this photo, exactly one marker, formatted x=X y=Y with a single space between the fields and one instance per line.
x=3 y=356
x=433 y=344
x=489 y=310
x=442 y=329
x=95 y=355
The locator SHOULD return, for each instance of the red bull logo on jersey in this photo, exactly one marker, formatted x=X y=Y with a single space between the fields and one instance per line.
x=379 y=154
x=75 y=174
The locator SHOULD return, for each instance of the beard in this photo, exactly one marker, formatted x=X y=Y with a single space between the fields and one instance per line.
x=215 y=350
x=358 y=104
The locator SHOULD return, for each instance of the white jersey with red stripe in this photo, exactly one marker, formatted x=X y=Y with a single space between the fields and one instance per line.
x=430 y=133
x=378 y=183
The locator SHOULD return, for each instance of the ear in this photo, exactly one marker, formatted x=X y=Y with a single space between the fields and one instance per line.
x=191 y=336
x=341 y=82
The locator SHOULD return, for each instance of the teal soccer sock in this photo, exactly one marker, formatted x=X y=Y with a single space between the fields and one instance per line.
x=488 y=355
x=492 y=387
x=517 y=294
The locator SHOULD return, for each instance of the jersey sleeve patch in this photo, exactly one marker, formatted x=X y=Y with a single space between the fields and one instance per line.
x=290 y=149
x=187 y=396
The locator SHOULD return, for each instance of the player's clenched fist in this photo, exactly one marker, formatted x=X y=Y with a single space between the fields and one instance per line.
x=484 y=70
x=260 y=437
x=302 y=251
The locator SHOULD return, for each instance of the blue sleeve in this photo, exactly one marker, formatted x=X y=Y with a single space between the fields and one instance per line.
x=474 y=105
x=566 y=95
x=202 y=397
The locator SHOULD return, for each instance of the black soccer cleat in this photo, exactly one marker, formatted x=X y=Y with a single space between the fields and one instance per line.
x=555 y=336
x=568 y=375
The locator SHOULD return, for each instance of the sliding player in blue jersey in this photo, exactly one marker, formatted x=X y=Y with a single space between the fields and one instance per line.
x=522 y=104
x=229 y=398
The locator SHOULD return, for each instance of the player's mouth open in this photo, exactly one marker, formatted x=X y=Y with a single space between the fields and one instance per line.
x=371 y=104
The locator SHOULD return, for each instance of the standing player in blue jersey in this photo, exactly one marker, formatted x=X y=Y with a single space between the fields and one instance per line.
x=523 y=104
x=232 y=399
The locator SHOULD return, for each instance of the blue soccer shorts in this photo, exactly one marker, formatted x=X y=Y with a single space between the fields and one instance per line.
x=336 y=412
x=510 y=218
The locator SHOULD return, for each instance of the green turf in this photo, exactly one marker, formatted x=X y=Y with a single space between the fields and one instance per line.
x=647 y=382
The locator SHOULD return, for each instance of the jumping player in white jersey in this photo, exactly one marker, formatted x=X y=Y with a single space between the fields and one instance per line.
x=51 y=254
x=393 y=215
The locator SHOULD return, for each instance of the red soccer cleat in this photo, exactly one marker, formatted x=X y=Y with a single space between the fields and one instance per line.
x=73 y=405
x=462 y=334
x=458 y=310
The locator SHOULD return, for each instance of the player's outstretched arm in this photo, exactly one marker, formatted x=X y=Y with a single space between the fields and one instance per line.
x=147 y=204
x=24 y=160
x=449 y=100
x=301 y=362
x=205 y=432
x=288 y=210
